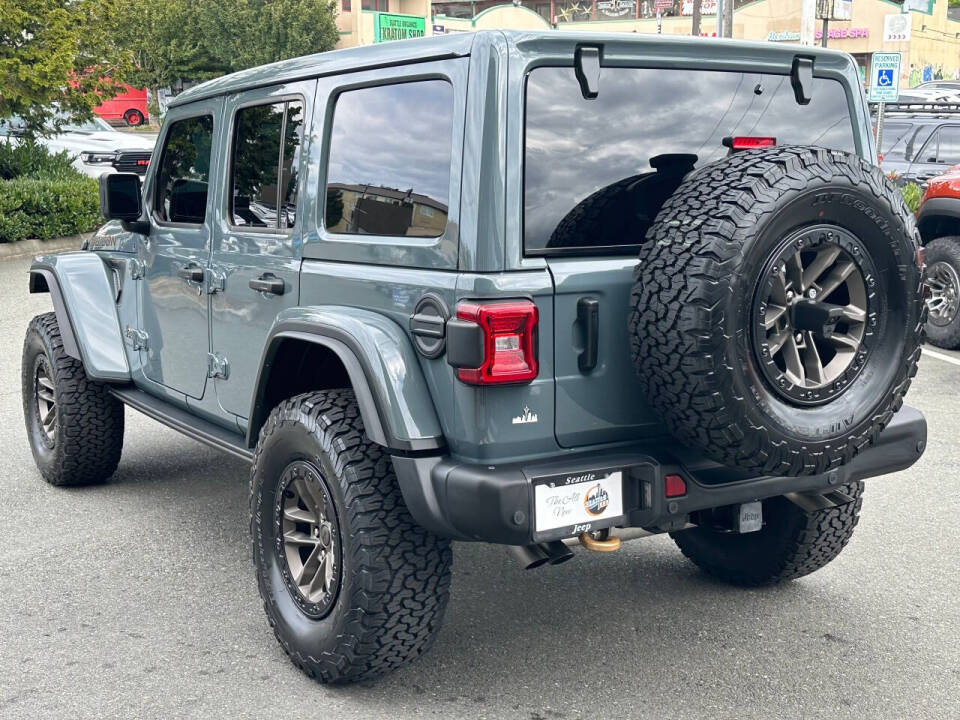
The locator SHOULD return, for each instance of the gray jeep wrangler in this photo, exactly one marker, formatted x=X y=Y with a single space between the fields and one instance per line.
x=519 y=288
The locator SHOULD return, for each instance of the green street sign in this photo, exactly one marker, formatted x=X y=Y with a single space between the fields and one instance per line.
x=389 y=26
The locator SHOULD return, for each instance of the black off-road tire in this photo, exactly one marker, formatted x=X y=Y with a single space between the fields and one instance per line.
x=694 y=307
x=945 y=250
x=85 y=442
x=394 y=576
x=792 y=543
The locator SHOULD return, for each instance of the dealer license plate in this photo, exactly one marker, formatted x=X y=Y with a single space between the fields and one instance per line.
x=581 y=502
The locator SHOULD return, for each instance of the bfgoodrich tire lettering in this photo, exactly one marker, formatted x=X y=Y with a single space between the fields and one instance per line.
x=694 y=303
x=393 y=579
x=81 y=441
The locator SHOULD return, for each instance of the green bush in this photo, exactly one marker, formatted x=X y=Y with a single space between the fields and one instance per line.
x=911 y=195
x=28 y=158
x=42 y=196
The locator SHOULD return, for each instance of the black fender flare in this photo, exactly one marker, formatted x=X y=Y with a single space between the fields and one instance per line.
x=359 y=339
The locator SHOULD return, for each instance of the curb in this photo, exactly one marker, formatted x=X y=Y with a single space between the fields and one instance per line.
x=28 y=248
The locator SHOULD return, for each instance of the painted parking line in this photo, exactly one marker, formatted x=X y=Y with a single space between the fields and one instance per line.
x=941 y=356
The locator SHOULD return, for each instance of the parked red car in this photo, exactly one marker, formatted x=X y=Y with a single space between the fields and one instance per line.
x=131 y=107
x=939 y=221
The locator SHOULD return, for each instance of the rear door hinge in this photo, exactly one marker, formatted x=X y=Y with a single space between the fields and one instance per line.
x=137 y=269
x=216 y=280
x=217 y=366
x=138 y=339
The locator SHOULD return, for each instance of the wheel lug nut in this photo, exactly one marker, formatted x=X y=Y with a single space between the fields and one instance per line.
x=789 y=294
x=812 y=293
x=798 y=337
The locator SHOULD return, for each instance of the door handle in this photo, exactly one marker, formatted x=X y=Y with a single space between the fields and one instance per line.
x=588 y=317
x=268 y=283
x=191 y=273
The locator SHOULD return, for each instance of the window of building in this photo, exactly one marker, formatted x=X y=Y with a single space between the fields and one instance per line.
x=378 y=5
x=184 y=174
x=263 y=180
x=628 y=149
x=389 y=160
x=345 y=6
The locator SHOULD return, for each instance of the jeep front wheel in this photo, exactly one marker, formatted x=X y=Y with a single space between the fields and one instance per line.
x=351 y=585
x=74 y=425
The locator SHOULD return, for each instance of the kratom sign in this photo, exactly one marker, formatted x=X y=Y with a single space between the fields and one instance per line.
x=388 y=26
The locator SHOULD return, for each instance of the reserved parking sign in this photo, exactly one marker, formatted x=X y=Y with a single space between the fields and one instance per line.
x=885 y=77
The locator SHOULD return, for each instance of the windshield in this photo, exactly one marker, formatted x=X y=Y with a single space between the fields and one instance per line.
x=630 y=147
x=92 y=125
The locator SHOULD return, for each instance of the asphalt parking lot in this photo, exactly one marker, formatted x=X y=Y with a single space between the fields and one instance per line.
x=137 y=599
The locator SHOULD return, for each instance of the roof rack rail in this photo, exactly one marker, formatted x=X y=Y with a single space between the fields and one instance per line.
x=921 y=108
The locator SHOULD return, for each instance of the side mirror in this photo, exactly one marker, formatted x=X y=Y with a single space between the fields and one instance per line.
x=120 y=199
x=120 y=196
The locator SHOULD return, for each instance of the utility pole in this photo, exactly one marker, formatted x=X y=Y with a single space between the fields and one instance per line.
x=721 y=5
x=808 y=20
x=695 y=27
x=728 y=18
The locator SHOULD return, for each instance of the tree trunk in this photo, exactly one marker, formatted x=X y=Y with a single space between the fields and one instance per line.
x=695 y=29
x=728 y=18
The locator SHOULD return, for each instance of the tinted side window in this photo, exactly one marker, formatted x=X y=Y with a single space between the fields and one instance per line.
x=261 y=181
x=949 y=151
x=895 y=137
x=184 y=174
x=596 y=172
x=389 y=166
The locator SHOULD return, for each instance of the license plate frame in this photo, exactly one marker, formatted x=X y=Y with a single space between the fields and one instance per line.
x=567 y=504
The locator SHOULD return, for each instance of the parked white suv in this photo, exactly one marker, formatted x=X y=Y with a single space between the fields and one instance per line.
x=96 y=147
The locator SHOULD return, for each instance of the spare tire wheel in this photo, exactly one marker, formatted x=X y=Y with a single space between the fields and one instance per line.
x=777 y=309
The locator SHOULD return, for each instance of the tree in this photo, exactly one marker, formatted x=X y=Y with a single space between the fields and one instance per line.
x=188 y=41
x=58 y=54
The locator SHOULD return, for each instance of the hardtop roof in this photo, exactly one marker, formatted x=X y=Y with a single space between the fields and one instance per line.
x=438 y=47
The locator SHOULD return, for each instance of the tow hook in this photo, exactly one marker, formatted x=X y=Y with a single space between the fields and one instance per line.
x=601 y=541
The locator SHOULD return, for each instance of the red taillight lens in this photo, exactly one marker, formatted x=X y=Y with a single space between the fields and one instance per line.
x=674 y=486
x=509 y=341
x=750 y=143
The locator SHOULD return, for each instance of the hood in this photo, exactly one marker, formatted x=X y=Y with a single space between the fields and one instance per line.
x=103 y=141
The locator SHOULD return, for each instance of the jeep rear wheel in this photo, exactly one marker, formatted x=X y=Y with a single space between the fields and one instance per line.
x=351 y=585
x=74 y=425
x=793 y=542
x=777 y=311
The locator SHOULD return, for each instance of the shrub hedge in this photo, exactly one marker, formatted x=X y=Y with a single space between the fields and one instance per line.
x=42 y=196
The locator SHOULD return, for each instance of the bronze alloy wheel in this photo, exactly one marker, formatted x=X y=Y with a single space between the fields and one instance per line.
x=45 y=398
x=308 y=539
x=811 y=315
x=943 y=296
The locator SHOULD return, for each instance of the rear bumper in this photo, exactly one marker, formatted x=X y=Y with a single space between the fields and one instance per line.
x=495 y=503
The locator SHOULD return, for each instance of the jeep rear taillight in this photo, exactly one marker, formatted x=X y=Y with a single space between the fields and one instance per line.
x=508 y=340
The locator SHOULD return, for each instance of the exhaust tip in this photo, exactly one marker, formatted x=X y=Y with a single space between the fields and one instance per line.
x=530 y=556
x=557 y=552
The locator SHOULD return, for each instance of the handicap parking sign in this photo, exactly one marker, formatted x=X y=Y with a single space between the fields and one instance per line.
x=885 y=77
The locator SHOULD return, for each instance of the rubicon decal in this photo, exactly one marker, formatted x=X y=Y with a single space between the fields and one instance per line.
x=596 y=500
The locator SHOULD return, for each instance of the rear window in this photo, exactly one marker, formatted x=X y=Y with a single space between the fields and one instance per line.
x=597 y=171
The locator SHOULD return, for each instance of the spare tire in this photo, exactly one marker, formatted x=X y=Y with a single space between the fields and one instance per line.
x=777 y=309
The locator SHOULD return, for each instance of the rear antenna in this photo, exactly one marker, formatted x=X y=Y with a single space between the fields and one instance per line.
x=586 y=61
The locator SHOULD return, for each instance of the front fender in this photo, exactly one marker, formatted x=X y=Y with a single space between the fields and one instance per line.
x=394 y=399
x=83 y=299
